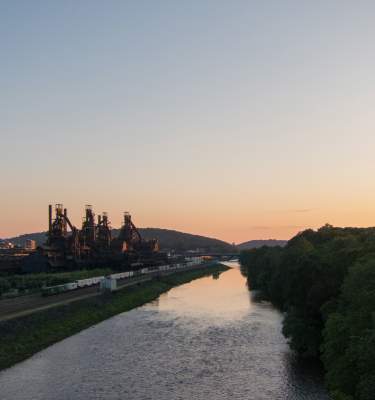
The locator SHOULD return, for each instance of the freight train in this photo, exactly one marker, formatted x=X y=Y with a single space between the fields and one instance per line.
x=155 y=270
x=92 y=246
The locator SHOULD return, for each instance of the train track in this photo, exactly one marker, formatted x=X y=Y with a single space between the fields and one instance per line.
x=29 y=304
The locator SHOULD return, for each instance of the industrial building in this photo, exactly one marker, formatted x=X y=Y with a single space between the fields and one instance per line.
x=68 y=247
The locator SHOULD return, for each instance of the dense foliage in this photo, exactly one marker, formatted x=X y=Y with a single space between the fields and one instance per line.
x=324 y=281
x=253 y=244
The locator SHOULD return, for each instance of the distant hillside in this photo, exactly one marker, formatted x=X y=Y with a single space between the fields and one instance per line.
x=39 y=237
x=253 y=244
x=168 y=239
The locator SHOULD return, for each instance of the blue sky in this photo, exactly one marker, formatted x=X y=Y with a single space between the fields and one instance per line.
x=222 y=118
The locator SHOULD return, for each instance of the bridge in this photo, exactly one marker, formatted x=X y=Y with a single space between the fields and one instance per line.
x=221 y=256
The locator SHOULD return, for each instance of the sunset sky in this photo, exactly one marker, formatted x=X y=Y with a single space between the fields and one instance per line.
x=233 y=119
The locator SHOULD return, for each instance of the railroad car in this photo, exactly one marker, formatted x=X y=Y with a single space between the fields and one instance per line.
x=82 y=283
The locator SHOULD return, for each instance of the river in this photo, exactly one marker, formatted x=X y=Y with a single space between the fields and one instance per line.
x=207 y=339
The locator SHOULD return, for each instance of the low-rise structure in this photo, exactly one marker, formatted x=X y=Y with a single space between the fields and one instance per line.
x=30 y=245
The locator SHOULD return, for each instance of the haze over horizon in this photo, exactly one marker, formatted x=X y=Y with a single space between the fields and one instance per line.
x=235 y=120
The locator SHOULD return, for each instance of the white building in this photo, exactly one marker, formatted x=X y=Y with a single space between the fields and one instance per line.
x=30 y=244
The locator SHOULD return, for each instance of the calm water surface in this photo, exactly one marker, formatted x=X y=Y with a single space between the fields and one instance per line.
x=204 y=340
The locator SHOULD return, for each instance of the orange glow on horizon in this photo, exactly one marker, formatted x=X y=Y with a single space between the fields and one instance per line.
x=231 y=227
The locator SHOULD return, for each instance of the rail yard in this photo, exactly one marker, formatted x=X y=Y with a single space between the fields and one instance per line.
x=128 y=259
x=85 y=288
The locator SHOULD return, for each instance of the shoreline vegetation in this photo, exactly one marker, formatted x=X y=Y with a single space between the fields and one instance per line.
x=324 y=282
x=23 y=337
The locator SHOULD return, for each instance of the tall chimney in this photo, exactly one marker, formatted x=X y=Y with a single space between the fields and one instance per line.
x=65 y=223
x=50 y=218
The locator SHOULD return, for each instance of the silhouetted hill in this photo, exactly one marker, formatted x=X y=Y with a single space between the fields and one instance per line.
x=253 y=244
x=39 y=237
x=185 y=241
x=168 y=239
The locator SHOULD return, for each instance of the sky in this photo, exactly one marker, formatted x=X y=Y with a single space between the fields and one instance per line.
x=234 y=119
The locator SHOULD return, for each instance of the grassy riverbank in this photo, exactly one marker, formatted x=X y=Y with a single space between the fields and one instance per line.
x=23 y=337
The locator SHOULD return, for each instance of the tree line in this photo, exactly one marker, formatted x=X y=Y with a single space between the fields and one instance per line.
x=324 y=282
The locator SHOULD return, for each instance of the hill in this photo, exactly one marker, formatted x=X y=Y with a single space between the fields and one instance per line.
x=39 y=237
x=168 y=239
x=253 y=244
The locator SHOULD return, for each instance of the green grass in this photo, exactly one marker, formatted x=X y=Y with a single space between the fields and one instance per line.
x=23 y=337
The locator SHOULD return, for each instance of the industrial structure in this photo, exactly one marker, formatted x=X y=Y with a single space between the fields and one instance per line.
x=68 y=247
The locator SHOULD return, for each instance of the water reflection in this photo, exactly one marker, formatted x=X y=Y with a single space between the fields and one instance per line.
x=208 y=301
x=203 y=340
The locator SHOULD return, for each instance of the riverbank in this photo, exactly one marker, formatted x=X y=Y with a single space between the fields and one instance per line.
x=23 y=337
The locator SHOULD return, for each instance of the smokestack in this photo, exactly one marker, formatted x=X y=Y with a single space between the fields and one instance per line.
x=50 y=218
x=65 y=223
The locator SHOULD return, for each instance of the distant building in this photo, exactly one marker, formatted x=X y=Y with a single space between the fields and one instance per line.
x=30 y=244
x=4 y=244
